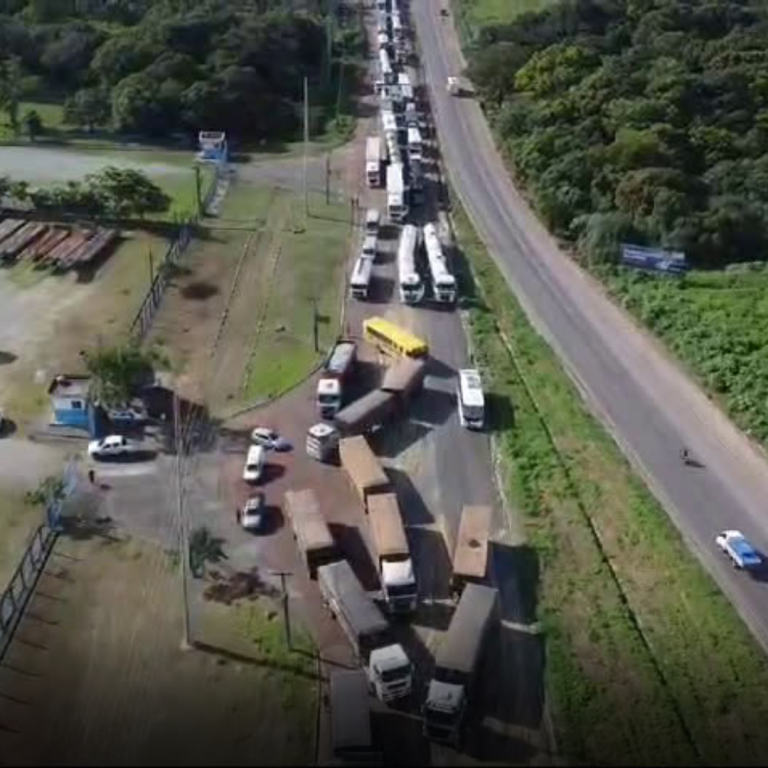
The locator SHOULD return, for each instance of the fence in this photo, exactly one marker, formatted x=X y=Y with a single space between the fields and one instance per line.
x=16 y=595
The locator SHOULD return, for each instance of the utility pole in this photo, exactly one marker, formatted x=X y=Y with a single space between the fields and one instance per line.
x=306 y=146
x=183 y=539
x=328 y=179
x=151 y=268
x=286 y=613
x=315 y=322
x=198 y=187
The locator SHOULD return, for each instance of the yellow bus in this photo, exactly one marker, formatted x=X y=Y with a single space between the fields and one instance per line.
x=391 y=338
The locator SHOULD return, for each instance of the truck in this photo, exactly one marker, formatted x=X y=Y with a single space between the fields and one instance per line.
x=457 y=664
x=397 y=205
x=366 y=413
x=393 y=555
x=337 y=370
x=310 y=530
x=322 y=442
x=410 y=284
x=470 y=558
x=404 y=378
x=373 y=160
x=363 y=468
x=385 y=663
x=444 y=288
x=351 y=737
x=360 y=279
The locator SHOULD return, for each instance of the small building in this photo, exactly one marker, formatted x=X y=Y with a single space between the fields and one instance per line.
x=70 y=401
x=213 y=147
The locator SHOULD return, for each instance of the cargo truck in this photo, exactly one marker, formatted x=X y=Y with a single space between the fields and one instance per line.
x=393 y=555
x=470 y=559
x=405 y=378
x=366 y=413
x=363 y=468
x=351 y=739
x=337 y=370
x=397 y=206
x=385 y=662
x=310 y=530
x=457 y=664
x=373 y=160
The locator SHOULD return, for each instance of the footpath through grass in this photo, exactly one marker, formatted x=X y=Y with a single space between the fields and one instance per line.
x=647 y=663
x=717 y=324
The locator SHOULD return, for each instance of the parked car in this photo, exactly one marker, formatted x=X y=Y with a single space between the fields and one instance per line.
x=253 y=515
x=737 y=547
x=254 y=463
x=269 y=439
x=112 y=445
x=127 y=416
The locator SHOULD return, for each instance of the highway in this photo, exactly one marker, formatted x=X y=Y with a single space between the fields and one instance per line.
x=649 y=405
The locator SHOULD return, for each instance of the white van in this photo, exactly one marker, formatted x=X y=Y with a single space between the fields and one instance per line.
x=370 y=247
x=372 y=221
x=360 y=280
x=254 y=463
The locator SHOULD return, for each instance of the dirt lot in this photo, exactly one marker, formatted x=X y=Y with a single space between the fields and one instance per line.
x=96 y=675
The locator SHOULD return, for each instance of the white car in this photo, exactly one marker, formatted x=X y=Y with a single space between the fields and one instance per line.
x=254 y=463
x=737 y=547
x=113 y=445
x=253 y=515
x=269 y=439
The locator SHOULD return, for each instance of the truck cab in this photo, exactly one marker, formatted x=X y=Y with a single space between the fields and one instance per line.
x=444 y=711
x=328 y=397
x=389 y=672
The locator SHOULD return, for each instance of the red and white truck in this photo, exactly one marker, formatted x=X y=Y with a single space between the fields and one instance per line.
x=338 y=368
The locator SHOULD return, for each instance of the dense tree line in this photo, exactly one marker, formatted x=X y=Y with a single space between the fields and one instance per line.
x=164 y=66
x=638 y=119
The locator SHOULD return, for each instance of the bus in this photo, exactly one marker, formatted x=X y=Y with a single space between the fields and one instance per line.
x=443 y=282
x=415 y=146
x=360 y=281
x=471 y=399
x=408 y=277
x=393 y=339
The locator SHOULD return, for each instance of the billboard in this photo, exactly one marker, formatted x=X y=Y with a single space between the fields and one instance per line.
x=653 y=259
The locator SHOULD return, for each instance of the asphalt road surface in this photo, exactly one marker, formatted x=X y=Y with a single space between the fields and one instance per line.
x=648 y=404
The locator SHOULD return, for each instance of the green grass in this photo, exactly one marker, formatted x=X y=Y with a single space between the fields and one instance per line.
x=717 y=324
x=642 y=648
x=471 y=15
x=17 y=523
x=310 y=264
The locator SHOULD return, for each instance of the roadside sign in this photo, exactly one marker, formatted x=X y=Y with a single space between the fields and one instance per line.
x=653 y=259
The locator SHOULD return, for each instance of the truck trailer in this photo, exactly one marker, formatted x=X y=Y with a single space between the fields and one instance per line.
x=470 y=558
x=366 y=413
x=393 y=555
x=310 y=530
x=363 y=468
x=337 y=370
x=457 y=664
x=385 y=663
x=351 y=737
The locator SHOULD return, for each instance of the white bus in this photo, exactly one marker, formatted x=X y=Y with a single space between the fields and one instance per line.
x=443 y=282
x=471 y=399
x=397 y=203
x=403 y=79
x=387 y=75
x=408 y=278
x=360 y=281
x=388 y=123
x=397 y=27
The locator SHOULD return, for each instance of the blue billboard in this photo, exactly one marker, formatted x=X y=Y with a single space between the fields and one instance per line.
x=653 y=259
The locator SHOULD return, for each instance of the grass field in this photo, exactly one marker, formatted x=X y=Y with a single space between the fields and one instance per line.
x=17 y=523
x=647 y=662
x=477 y=13
x=308 y=269
x=717 y=324
x=119 y=689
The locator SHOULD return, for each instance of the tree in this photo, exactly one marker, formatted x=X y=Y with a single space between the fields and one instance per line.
x=204 y=547
x=126 y=192
x=11 y=89
x=33 y=123
x=116 y=372
x=89 y=107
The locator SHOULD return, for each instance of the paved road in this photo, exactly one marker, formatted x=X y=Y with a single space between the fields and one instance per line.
x=648 y=404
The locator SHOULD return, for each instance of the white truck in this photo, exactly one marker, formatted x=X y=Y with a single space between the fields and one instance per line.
x=409 y=280
x=397 y=205
x=393 y=555
x=443 y=282
x=373 y=158
x=385 y=662
x=337 y=369
x=458 y=662
x=360 y=279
